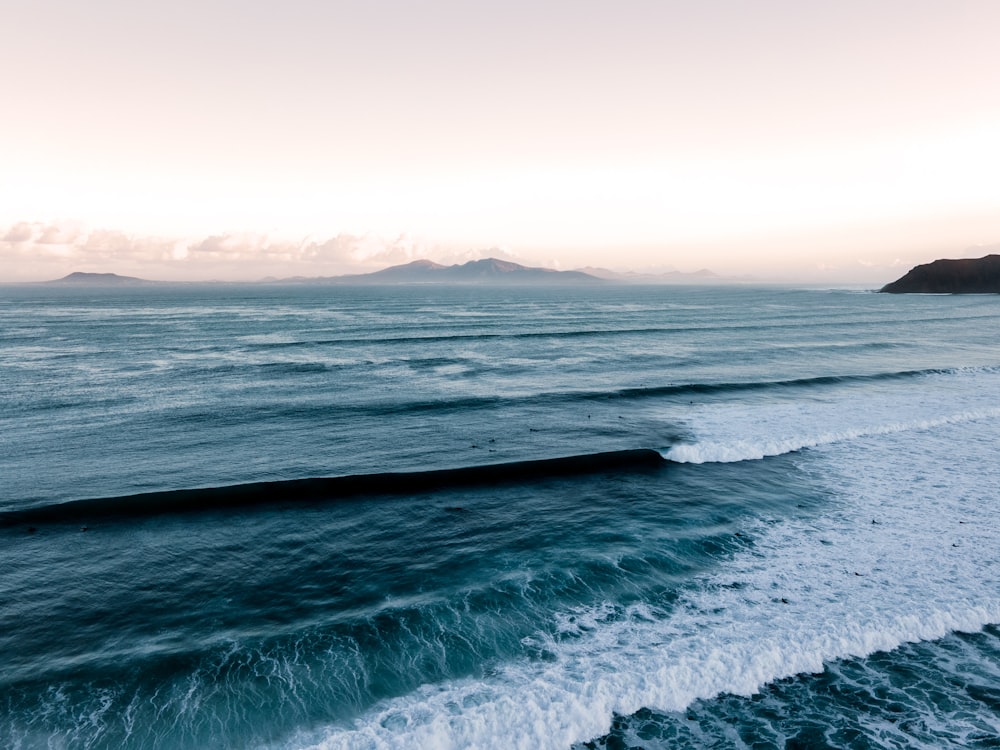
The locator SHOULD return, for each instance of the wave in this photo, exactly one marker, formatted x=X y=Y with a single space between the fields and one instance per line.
x=368 y=409
x=590 y=332
x=756 y=385
x=616 y=671
x=749 y=450
x=328 y=489
x=803 y=593
x=444 y=337
x=641 y=392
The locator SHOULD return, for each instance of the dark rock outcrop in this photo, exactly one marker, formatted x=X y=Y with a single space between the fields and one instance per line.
x=965 y=276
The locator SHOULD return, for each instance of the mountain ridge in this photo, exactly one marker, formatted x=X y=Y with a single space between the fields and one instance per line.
x=484 y=271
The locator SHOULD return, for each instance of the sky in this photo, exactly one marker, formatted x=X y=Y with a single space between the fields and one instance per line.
x=218 y=139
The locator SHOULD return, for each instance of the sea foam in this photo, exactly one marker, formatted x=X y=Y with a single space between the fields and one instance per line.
x=847 y=582
x=733 y=431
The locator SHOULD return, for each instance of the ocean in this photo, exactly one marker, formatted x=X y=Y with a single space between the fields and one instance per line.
x=779 y=525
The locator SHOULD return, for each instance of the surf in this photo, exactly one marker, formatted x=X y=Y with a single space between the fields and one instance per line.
x=799 y=596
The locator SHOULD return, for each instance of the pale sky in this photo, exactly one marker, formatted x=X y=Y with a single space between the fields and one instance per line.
x=792 y=139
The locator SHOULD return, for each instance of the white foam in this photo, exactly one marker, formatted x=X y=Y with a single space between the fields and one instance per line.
x=743 y=429
x=908 y=550
x=753 y=449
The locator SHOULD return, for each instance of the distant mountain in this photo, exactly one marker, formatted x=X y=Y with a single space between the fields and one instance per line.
x=964 y=276
x=99 y=279
x=408 y=273
x=487 y=272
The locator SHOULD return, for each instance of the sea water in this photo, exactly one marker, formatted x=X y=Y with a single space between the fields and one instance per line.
x=815 y=563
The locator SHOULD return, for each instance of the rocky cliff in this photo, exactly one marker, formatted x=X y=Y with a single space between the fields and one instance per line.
x=965 y=276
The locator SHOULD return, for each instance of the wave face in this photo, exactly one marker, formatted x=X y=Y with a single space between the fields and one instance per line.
x=331 y=489
x=650 y=518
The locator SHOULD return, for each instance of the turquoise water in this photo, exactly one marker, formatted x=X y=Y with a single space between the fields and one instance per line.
x=814 y=564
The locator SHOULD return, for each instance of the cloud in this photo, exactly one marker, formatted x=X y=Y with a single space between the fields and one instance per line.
x=222 y=246
x=53 y=233
x=38 y=251
x=248 y=248
x=20 y=232
x=59 y=234
x=109 y=246
x=365 y=250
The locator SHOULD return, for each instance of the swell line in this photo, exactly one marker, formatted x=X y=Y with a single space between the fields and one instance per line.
x=756 y=385
x=330 y=489
x=679 y=389
x=549 y=398
x=588 y=332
